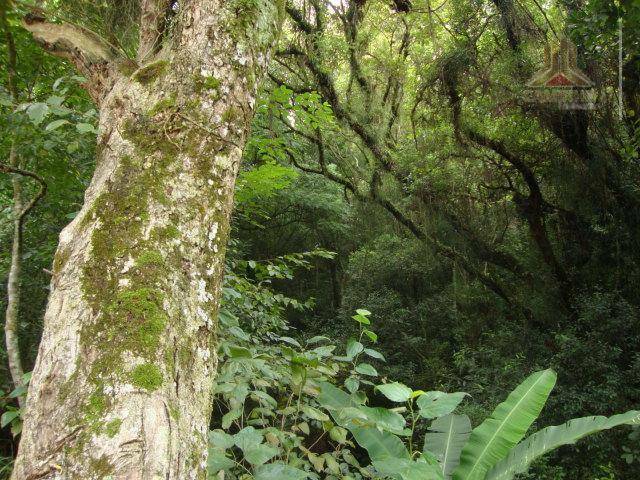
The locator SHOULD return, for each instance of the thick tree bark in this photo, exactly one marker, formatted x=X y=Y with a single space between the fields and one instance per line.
x=122 y=386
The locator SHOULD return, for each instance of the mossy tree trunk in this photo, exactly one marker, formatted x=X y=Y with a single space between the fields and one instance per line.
x=123 y=380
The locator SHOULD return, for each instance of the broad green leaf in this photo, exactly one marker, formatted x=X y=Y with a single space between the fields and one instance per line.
x=5 y=100
x=350 y=416
x=338 y=434
x=405 y=469
x=333 y=398
x=290 y=341
x=304 y=427
x=318 y=339
x=16 y=428
x=385 y=419
x=37 y=111
x=8 y=417
x=85 y=128
x=374 y=354
x=315 y=414
x=316 y=461
x=366 y=369
x=231 y=416
x=352 y=384
x=550 y=438
x=379 y=445
x=73 y=147
x=324 y=351
x=396 y=392
x=55 y=124
x=264 y=397
x=218 y=461
x=227 y=318
x=332 y=464
x=354 y=348
x=445 y=439
x=55 y=100
x=57 y=83
x=18 y=391
x=491 y=441
x=247 y=438
x=259 y=454
x=438 y=404
x=236 y=351
x=220 y=440
x=278 y=471
x=238 y=332
x=363 y=312
x=372 y=335
x=361 y=319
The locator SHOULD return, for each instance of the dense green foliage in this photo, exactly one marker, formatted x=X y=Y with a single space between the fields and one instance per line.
x=396 y=165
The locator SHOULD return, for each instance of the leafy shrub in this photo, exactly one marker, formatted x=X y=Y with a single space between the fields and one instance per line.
x=282 y=415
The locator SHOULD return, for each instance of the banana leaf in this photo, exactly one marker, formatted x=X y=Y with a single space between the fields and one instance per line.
x=492 y=440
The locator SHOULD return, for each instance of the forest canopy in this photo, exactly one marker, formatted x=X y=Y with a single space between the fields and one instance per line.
x=320 y=239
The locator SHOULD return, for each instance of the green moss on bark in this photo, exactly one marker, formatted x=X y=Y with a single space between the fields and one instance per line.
x=112 y=428
x=60 y=260
x=140 y=320
x=209 y=84
x=163 y=105
x=101 y=467
x=151 y=72
x=147 y=376
x=125 y=277
x=127 y=67
x=132 y=268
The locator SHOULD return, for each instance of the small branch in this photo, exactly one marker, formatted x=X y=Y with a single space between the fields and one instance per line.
x=25 y=173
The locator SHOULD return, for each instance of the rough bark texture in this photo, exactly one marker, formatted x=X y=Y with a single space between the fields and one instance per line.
x=122 y=384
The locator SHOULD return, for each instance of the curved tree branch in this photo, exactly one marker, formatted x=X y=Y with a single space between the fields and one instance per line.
x=93 y=56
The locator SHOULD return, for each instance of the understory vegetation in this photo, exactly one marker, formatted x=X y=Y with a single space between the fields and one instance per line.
x=430 y=275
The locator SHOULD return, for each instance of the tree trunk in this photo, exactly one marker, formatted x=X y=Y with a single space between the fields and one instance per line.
x=122 y=386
